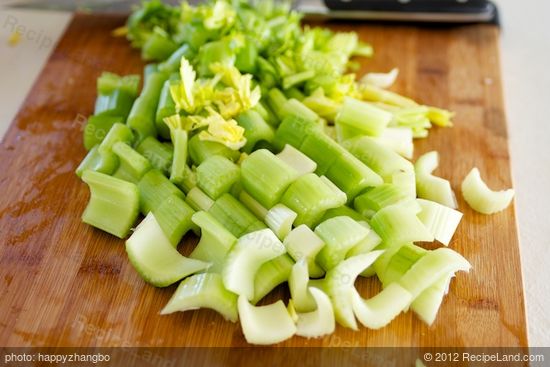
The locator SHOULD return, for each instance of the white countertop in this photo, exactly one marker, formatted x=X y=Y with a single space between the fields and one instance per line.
x=526 y=63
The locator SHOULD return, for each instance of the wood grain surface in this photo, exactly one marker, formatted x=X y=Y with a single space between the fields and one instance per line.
x=64 y=283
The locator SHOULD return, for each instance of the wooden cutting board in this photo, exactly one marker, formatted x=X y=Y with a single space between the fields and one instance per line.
x=67 y=284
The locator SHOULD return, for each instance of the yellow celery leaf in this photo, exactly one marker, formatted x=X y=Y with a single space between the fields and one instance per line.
x=182 y=92
x=226 y=132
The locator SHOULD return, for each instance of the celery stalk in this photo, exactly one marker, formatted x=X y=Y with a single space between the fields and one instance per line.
x=377 y=198
x=302 y=242
x=297 y=160
x=320 y=322
x=481 y=198
x=427 y=304
x=95 y=161
x=294 y=130
x=154 y=187
x=430 y=187
x=440 y=220
x=298 y=285
x=132 y=165
x=173 y=215
x=234 y=216
x=198 y=200
x=321 y=149
x=97 y=128
x=252 y=204
x=216 y=175
x=270 y=275
x=159 y=154
x=279 y=219
x=364 y=116
x=199 y=150
x=256 y=129
x=399 y=224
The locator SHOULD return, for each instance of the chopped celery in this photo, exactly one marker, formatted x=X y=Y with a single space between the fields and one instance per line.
x=276 y=101
x=323 y=150
x=377 y=198
x=154 y=257
x=320 y=322
x=97 y=128
x=381 y=80
x=296 y=109
x=246 y=57
x=406 y=180
x=344 y=211
x=481 y=198
x=109 y=82
x=256 y=129
x=364 y=116
x=179 y=167
x=117 y=133
x=132 y=165
x=279 y=219
x=265 y=324
x=95 y=161
x=373 y=93
x=199 y=150
x=270 y=275
x=172 y=64
x=431 y=187
x=117 y=103
x=265 y=177
x=173 y=215
x=370 y=242
x=216 y=175
x=158 y=46
x=258 y=209
x=215 y=242
x=263 y=109
x=401 y=261
x=398 y=139
x=298 y=285
x=440 y=220
x=297 y=160
x=292 y=80
x=199 y=200
x=302 y=242
x=340 y=234
x=399 y=224
x=204 y=290
x=426 y=305
x=245 y=259
x=166 y=108
x=440 y=117
x=113 y=205
x=160 y=155
x=234 y=216
x=154 y=187
x=323 y=106
x=188 y=179
x=293 y=131
x=295 y=93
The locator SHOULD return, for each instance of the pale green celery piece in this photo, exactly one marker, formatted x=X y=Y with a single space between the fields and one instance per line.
x=440 y=220
x=199 y=150
x=317 y=323
x=267 y=114
x=380 y=310
x=481 y=198
x=188 y=180
x=132 y=165
x=256 y=129
x=440 y=117
x=297 y=160
x=276 y=100
x=345 y=132
x=113 y=205
x=203 y=290
x=245 y=259
x=154 y=187
x=174 y=217
x=118 y=133
x=377 y=198
x=430 y=268
x=401 y=261
x=295 y=108
x=295 y=79
x=219 y=51
x=266 y=177
x=339 y=195
x=406 y=181
x=380 y=159
x=364 y=116
x=321 y=149
x=234 y=216
x=372 y=93
x=252 y=204
x=265 y=324
x=339 y=285
x=298 y=285
x=155 y=259
x=345 y=211
x=398 y=139
x=427 y=304
x=216 y=175
x=270 y=275
x=295 y=93
x=340 y=234
x=431 y=187
x=179 y=162
x=198 y=200
x=95 y=161
x=280 y=219
x=323 y=106
x=381 y=80
x=215 y=241
x=399 y=224
x=109 y=82
x=302 y=242
x=294 y=131
x=166 y=107
x=381 y=265
x=368 y=244
x=310 y=197
x=159 y=154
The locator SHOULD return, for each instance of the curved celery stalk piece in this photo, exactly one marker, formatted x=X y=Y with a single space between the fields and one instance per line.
x=198 y=200
x=203 y=290
x=430 y=268
x=431 y=187
x=401 y=262
x=381 y=80
x=339 y=285
x=297 y=160
x=398 y=224
x=440 y=220
x=114 y=203
x=319 y=322
x=368 y=244
x=245 y=259
x=270 y=275
x=154 y=257
x=302 y=242
x=298 y=285
x=427 y=304
x=215 y=242
x=279 y=219
x=381 y=309
x=265 y=324
x=481 y=198
x=98 y=162
x=252 y=204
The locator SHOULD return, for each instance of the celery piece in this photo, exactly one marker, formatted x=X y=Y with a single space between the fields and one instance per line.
x=380 y=159
x=297 y=160
x=252 y=204
x=296 y=94
x=166 y=108
x=344 y=211
x=381 y=80
x=117 y=133
x=214 y=52
x=295 y=108
x=179 y=169
x=263 y=109
x=302 y=242
x=255 y=226
x=310 y=197
x=154 y=188
x=247 y=56
x=368 y=244
x=399 y=224
x=295 y=79
x=118 y=103
x=198 y=200
x=440 y=220
x=345 y=132
x=440 y=117
x=203 y=290
x=320 y=322
x=159 y=154
x=155 y=259
x=265 y=177
x=298 y=285
x=245 y=259
x=173 y=215
x=158 y=46
x=481 y=198
x=427 y=304
x=113 y=205
x=256 y=129
x=172 y=64
x=398 y=139
x=107 y=83
x=279 y=219
x=294 y=131
x=431 y=187
x=364 y=116
x=233 y=215
x=216 y=175
x=323 y=150
x=339 y=285
x=323 y=106
x=97 y=128
x=265 y=324
x=352 y=176
x=373 y=93
x=188 y=179
x=406 y=181
x=132 y=165
x=199 y=150
x=215 y=242
x=377 y=198
x=95 y=161
x=270 y=275
x=142 y=116
x=276 y=100
x=401 y=261
x=380 y=310
x=340 y=234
